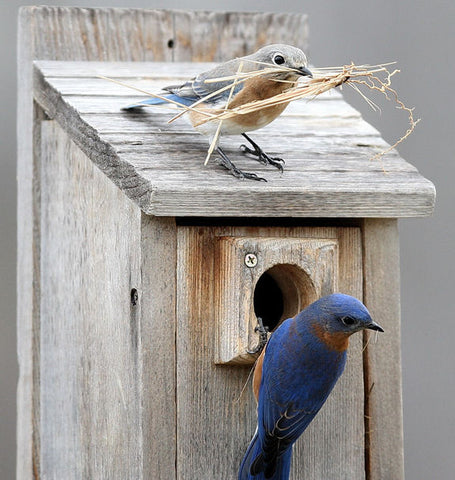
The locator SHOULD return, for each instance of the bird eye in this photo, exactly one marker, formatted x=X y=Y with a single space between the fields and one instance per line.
x=349 y=321
x=278 y=59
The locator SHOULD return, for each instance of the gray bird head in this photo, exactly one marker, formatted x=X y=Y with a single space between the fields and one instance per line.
x=339 y=313
x=291 y=59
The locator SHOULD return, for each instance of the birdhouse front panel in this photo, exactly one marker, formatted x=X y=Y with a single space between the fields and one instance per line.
x=219 y=272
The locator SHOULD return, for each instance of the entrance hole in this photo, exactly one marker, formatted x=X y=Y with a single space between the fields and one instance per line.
x=281 y=292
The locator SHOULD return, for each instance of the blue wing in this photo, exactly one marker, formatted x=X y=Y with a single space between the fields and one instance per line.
x=199 y=87
x=280 y=431
x=292 y=392
x=159 y=101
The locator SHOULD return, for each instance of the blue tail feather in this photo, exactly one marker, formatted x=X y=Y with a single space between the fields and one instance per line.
x=159 y=101
x=283 y=464
x=250 y=455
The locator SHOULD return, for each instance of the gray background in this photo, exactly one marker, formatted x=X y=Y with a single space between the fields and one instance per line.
x=420 y=35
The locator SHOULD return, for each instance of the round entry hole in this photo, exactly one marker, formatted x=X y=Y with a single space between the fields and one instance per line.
x=268 y=301
x=281 y=292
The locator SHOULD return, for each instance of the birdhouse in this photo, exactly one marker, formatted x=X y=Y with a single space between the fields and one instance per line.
x=142 y=272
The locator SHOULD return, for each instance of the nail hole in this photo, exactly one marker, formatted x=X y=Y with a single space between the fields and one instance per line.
x=170 y=43
x=134 y=297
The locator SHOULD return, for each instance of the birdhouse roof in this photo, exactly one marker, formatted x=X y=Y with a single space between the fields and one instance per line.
x=326 y=144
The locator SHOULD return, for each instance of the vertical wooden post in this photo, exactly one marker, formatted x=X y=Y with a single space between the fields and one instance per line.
x=383 y=361
x=89 y=324
x=158 y=334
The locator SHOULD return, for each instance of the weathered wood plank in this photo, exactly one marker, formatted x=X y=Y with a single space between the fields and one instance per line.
x=28 y=269
x=333 y=446
x=101 y=34
x=90 y=358
x=348 y=168
x=361 y=187
x=35 y=352
x=103 y=104
x=325 y=126
x=384 y=420
x=157 y=332
x=118 y=70
x=339 y=427
x=213 y=419
x=234 y=34
x=178 y=206
x=358 y=149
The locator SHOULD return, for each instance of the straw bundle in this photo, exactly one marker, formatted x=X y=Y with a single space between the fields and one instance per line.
x=375 y=78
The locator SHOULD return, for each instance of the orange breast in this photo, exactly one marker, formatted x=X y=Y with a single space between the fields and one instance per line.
x=254 y=89
x=338 y=341
x=259 y=88
x=258 y=374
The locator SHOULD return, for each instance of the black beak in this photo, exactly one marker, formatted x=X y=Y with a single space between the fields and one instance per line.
x=305 y=72
x=375 y=326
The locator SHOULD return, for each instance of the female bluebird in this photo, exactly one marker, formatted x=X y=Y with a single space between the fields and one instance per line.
x=213 y=94
x=294 y=375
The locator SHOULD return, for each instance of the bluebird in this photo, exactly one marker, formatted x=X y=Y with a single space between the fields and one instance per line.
x=294 y=375
x=283 y=65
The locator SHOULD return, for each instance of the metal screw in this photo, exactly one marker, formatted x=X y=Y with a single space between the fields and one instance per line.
x=251 y=260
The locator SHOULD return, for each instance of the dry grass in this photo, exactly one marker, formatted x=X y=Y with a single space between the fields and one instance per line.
x=376 y=78
x=361 y=78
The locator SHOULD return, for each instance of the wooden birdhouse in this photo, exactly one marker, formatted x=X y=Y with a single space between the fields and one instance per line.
x=142 y=271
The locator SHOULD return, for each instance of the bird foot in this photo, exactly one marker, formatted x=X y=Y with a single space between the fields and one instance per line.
x=260 y=155
x=228 y=165
x=263 y=337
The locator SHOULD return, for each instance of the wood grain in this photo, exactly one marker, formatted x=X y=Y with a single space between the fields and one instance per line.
x=218 y=36
x=304 y=269
x=90 y=357
x=383 y=391
x=157 y=336
x=211 y=446
x=326 y=144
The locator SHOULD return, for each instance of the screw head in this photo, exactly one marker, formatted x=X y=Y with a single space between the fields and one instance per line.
x=251 y=260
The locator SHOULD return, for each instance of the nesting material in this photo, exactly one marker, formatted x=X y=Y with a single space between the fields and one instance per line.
x=376 y=78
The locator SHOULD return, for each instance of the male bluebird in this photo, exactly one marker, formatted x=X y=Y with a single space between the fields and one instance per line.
x=294 y=375
x=282 y=66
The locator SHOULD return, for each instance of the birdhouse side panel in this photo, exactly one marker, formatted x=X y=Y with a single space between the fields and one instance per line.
x=88 y=386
